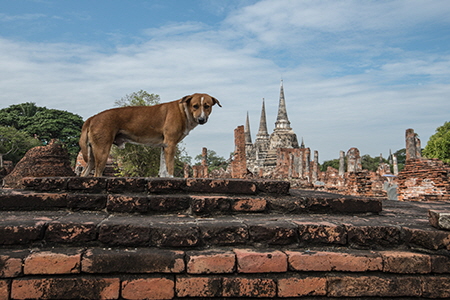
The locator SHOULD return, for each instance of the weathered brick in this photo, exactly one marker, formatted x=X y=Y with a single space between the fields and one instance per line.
x=374 y=286
x=4 y=289
x=273 y=232
x=65 y=288
x=440 y=264
x=436 y=287
x=180 y=234
x=406 y=262
x=87 y=184
x=249 y=261
x=224 y=232
x=356 y=205
x=45 y=183
x=73 y=228
x=33 y=201
x=86 y=201
x=374 y=236
x=148 y=288
x=21 y=230
x=127 y=204
x=321 y=233
x=168 y=203
x=166 y=185
x=334 y=261
x=279 y=187
x=11 y=263
x=187 y=286
x=222 y=186
x=53 y=262
x=297 y=287
x=249 y=205
x=140 y=260
x=248 y=287
x=126 y=231
x=203 y=205
x=122 y=185
x=210 y=262
x=428 y=239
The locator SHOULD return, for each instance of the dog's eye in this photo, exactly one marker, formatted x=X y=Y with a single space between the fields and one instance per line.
x=206 y=106
x=195 y=106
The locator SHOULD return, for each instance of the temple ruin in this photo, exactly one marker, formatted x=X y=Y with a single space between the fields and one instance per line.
x=279 y=154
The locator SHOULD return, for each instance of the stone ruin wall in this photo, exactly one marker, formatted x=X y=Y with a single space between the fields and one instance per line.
x=422 y=179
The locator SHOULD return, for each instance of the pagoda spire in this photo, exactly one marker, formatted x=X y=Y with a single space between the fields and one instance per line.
x=262 y=133
x=282 y=122
x=248 y=136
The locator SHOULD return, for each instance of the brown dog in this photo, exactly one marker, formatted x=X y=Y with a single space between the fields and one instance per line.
x=163 y=125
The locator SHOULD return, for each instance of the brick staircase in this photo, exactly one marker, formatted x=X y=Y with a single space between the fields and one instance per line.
x=151 y=238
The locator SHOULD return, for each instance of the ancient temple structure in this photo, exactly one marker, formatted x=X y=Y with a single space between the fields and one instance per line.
x=264 y=153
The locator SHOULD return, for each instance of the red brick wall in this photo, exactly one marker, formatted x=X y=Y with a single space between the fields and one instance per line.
x=166 y=274
x=424 y=179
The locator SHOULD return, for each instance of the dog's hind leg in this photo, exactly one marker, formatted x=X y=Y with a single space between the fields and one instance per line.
x=101 y=156
x=89 y=163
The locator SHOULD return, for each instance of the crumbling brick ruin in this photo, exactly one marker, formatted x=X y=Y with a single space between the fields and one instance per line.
x=201 y=171
x=239 y=163
x=42 y=161
x=422 y=179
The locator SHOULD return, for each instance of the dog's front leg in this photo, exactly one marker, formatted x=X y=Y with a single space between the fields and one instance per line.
x=163 y=163
x=166 y=165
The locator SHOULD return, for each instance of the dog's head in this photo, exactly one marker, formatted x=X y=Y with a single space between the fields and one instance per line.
x=200 y=106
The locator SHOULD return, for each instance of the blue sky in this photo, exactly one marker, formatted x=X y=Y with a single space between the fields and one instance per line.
x=356 y=73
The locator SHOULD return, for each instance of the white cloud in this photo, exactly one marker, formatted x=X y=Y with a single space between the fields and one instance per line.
x=346 y=85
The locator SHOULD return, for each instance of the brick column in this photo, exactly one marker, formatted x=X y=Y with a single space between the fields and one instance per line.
x=239 y=163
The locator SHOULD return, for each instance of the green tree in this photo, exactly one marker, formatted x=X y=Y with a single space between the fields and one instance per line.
x=14 y=144
x=334 y=163
x=371 y=163
x=139 y=160
x=213 y=161
x=401 y=158
x=438 y=145
x=44 y=124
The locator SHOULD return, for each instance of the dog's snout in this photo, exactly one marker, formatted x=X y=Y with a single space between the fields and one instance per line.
x=202 y=120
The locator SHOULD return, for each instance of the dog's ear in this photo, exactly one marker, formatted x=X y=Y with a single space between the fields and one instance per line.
x=186 y=99
x=215 y=101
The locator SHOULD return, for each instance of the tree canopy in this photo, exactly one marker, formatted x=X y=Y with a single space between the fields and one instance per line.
x=334 y=163
x=44 y=124
x=438 y=145
x=14 y=144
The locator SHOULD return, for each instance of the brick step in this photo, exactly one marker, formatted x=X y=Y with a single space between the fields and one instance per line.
x=403 y=225
x=126 y=185
x=222 y=273
x=298 y=202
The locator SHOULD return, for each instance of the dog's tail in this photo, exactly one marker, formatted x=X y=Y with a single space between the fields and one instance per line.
x=86 y=149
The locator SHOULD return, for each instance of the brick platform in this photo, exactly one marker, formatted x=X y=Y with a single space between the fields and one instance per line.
x=121 y=238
